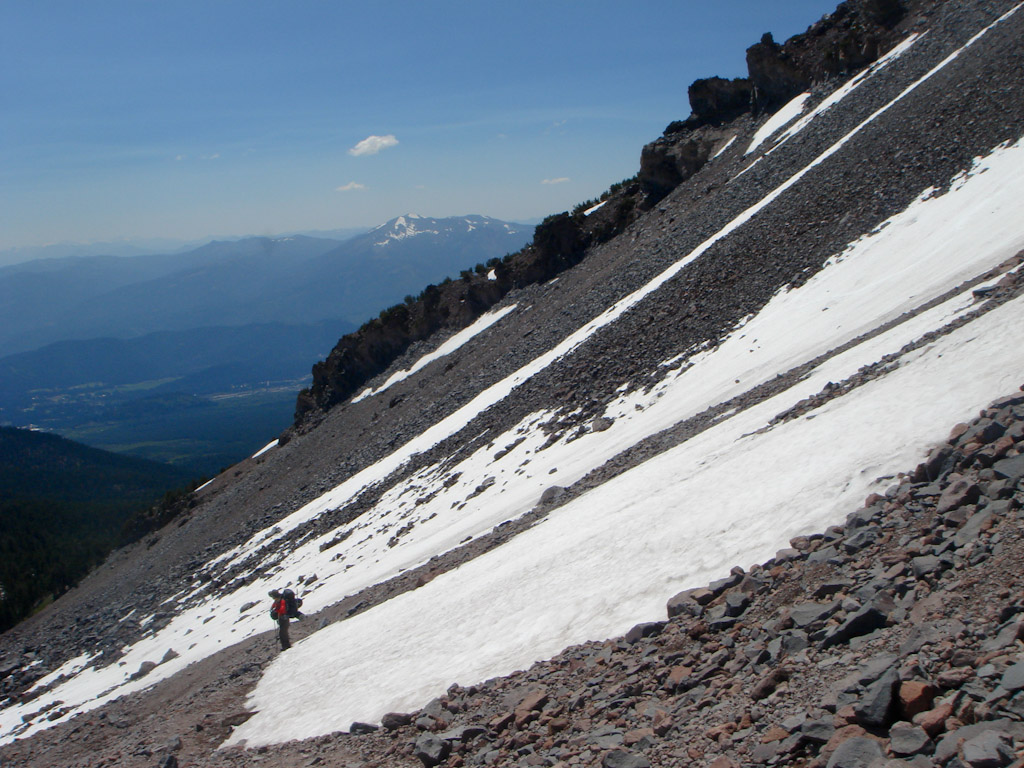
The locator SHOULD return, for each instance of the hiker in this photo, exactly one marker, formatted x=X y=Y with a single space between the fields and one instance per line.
x=285 y=608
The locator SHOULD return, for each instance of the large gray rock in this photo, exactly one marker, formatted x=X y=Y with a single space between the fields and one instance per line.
x=961 y=491
x=864 y=537
x=1013 y=677
x=647 y=629
x=1012 y=468
x=983 y=431
x=876 y=708
x=926 y=566
x=951 y=742
x=736 y=603
x=990 y=749
x=431 y=750
x=683 y=604
x=906 y=739
x=923 y=634
x=394 y=720
x=863 y=622
x=858 y=752
x=623 y=758
x=809 y=614
x=817 y=731
x=972 y=529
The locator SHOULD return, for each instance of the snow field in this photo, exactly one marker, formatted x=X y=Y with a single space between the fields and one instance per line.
x=612 y=557
x=783 y=117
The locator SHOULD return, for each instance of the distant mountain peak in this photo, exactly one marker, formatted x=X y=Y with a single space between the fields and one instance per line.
x=412 y=225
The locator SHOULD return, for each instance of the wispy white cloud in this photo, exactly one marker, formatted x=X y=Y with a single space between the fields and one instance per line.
x=371 y=145
x=559 y=180
x=351 y=186
x=215 y=156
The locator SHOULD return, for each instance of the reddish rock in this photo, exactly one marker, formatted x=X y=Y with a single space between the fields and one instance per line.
x=775 y=733
x=722 y=761
x=662 y=722
x=558 y=724
x=501 y=722
x=723 y=729
x=524 y=716
x=678 y=675
x=934 y=720
x=845 y=716
x=959 y=492
x=767 y=684
x=639 y=734
x=957 y=431
x=916 y=696
x=702 y=596
x=532 y=701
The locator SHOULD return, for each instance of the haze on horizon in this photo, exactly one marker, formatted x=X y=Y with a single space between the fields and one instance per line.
x=180 y=121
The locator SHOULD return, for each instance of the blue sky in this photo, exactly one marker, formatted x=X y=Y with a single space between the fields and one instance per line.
x=190 y=119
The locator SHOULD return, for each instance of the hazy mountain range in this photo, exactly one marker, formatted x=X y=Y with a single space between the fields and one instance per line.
x=137 y=354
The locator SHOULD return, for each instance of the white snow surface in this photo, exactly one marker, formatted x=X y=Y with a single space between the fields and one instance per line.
x=458 y=340
x=783 y=117
x=663 y=526
x=724 y=147
x=272 y=444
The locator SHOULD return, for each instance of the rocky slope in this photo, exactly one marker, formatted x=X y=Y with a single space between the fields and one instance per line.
x=894 y=636
x=899 y=567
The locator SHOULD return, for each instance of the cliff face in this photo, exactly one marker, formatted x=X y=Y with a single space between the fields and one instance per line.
x=850 y=38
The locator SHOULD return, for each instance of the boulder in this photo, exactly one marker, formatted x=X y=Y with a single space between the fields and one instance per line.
x=647 y=629
x=431 y=750
x=624 y=758
x=906 y=739
x=877 y=707
x=915 y=697
x=961 y=491
x=990 y=749
x=866 y=620
x=1012 y=469
x=810 y=614
x=683 y=604
x=394 y=720
x=858 y=752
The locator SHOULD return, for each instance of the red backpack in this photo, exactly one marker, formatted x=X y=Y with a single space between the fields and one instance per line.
x=278 y=609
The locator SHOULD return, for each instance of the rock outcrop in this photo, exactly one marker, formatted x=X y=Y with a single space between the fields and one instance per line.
x=848 y=39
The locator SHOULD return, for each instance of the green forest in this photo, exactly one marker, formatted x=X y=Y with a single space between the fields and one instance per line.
x=63 y=508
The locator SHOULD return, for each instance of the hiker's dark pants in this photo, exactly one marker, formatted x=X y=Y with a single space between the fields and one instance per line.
x=282 y=633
